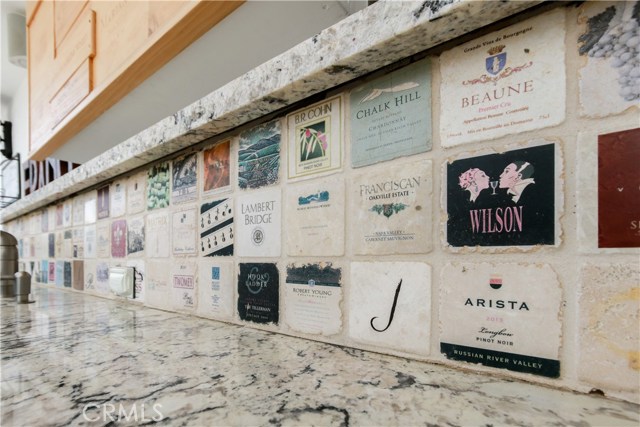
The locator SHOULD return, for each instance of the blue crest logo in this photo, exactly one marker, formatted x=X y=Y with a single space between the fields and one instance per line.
x=496 y=63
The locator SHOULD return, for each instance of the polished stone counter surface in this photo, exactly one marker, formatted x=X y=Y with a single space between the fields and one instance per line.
x=74 y=359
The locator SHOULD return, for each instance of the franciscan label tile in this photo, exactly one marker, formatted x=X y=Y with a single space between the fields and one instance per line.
x=103 y=240
x=609 y=335
x=258 y=289
x=510 y=81
x=511 y=316
x=619 y=189
x=313 y=293
x=135 y=236
x=183 y=285
x=390 y=305
x=138 y=278
x=119 y=238
x=158 y=290
x=217 y=168
x=391 y=209
x=78 y=275
x=104 y=202
x=158 y=235
x=215 y=289
x=90 y=241
x=391 y=115
x=185 y=178
x=216 y=228
x=505 y=199
x=158 y=186
x=118 y=199
x=315 y=138
x=609 y=80
x=184 y=232
x=136 y=193
x=315 y=218
x=259 y=156
x=259 y=224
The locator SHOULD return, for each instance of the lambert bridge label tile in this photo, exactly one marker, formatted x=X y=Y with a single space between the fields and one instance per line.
x=259 y=224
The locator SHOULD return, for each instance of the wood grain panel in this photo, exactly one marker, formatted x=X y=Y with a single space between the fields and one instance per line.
x=65 y=14
x=74 y=90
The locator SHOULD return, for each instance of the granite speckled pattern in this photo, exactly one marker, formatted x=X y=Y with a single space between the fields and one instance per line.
x=374 y=37
x=69 y=351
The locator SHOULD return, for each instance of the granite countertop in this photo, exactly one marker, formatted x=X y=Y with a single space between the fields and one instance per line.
x=70 y=353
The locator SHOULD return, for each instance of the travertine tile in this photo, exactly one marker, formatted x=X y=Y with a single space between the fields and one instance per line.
x=158 y=236
x=158 y=292
x=136 y=193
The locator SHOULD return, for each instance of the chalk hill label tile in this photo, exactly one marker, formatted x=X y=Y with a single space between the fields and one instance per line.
x=619 y=189
x=103 y=202
x=392 y=209
x=158 y=182
x=505 y=199
x=258 y=288
x=135 y=236
x=184 y=232
x=315 y=138
x=511 y=316
x=390 y=305
x=216 y=289
x=315 y=218
x=259 y=224
x=185 y=178
x=313 y=293
x=217 y=230
x=119 y=238
x=118 y=199
x=217 y=168
x=158 y=235
x=391 y=115
x=259 y=156
x=136 y=192
x=507 y=82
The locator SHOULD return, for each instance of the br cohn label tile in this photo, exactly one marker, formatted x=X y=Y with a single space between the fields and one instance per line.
x=259 y=156
x=390 y=305
x=216 y=228
x=312 y=298
x=185 y=178
x=510 y=81
x=259 y=224
x=505 y=316
x=258 y=293
x=315 y=218
x=391 y=115
x=505 y=199
x=392 y=209
x=216 y=286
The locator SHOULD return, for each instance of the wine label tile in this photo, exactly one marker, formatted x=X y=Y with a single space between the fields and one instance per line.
x=184 y=232
x=78 y=211
x=259 y=156
x=90 y=241
x=104 y=202
x=58 y=275
x=138 y=278
x=185 y=178
x=102 y=278
x=103 y=240
x=136 y=193
x=78 y=275
x=158 y=235
x=511 y=316
x=67 y=213
x=390 y=305
x=258 y=293
x=90 y=208
x=216 y=168
x=78 y=242
x=119 y=199
x=259 y=224
x=135 y=236
x=158 y=183
x=89 y=272
x=119 y=238
x=158 y=292
x=216 y=289
x=183 y=284
x=216 y=228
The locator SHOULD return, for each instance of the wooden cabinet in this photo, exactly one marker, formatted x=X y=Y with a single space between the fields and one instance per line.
x=84 y=56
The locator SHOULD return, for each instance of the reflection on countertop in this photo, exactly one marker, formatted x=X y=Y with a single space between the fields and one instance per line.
x=74 y=359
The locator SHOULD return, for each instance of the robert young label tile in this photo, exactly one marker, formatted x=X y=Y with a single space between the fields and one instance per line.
x=216 y=168
x=118 y=194
x=158 y=184
x=506 y=199
x=119 y=238
x=185 y=178
x=103 y=240
x=608 y=44
x=511 y=316
x=216 y=228
x=315 y=138
x=258 y=293
x=259 y=224
x=104 y=202
x=510 y=81
x=158 y=235
x=259 y=156
x=315 y=218
x=216 y=289
x=313 y=293
x=391 y=115
x=183 y=285
x=158 y=292
x=390 y=305
x=184 y=232
x=609 y=336
x=392 y=209
x=135 y=236
x=136 y=193
x=90 y=241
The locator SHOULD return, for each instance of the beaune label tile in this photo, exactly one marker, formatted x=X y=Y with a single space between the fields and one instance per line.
x=104 y=202
x=184 y=232
x=392 y=209
x=258 y=293
x=136 y=193
x=135 y=236
x=259 y=156
x=258 y=223
x=505 y=199
x=158 y=292
x=158 y=183
x=315 y=138
x=183 y=285
x=103 y=240
x=607 y=81
x=390 y=305
x=158 y=235
x=216 y=168
x=185 y=178
x=119 y=238
x=509 y=81
x=312 y=298
x=619 y=189
x=391 y=115
x=505 y=316
x=215 y=289
x=118 y=199
x=216 y=228
x=315 y=218
x=90 y=241
x=609 y=337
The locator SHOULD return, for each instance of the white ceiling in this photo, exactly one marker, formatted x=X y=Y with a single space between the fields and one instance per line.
x=11 y=76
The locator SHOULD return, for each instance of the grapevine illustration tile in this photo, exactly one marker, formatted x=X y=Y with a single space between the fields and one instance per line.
x=259 y=156
x=158 y=186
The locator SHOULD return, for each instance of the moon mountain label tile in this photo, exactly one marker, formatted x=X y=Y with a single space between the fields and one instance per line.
x=258 y=292
x=259 y=156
